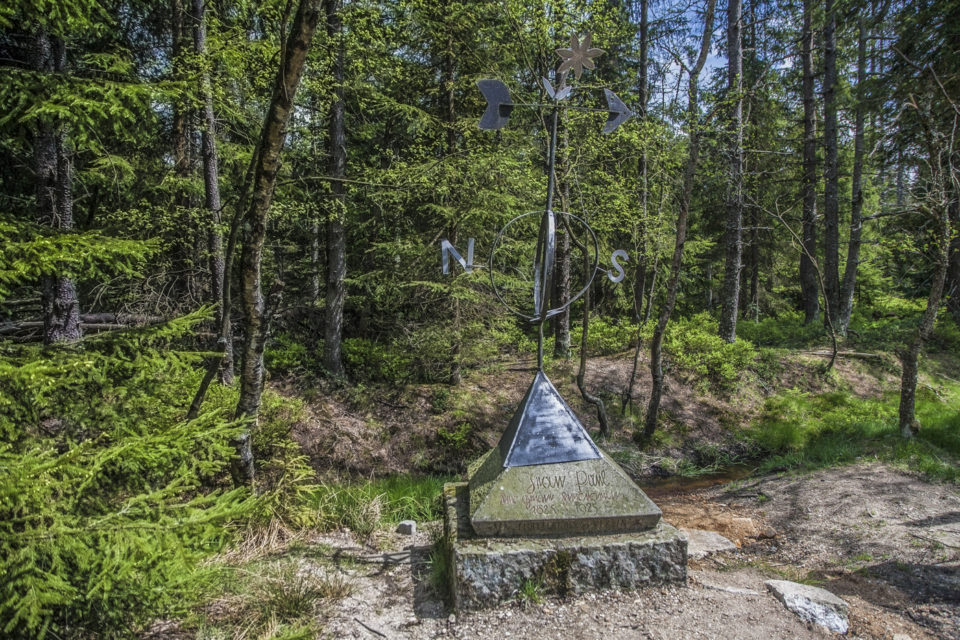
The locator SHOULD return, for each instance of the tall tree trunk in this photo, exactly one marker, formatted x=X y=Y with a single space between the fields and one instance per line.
x=953 y=302
x=856 y=200
x=211 y=188
x=265 y=166
x=831 y=176
x=451 y=117
x=336 y=237
x=754 y=262
x=809 y=286
x=54 y=199
x=582 y=371
x=181 y=113
x=733 y=236
x=640 y=279
x=909 y=357
x=689 y=172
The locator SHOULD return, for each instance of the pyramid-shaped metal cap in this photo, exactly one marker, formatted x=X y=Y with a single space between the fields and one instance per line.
x=544 y=430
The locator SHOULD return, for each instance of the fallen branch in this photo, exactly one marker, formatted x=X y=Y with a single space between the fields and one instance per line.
x=928 y=539
x=845 y=354
x=369 y=628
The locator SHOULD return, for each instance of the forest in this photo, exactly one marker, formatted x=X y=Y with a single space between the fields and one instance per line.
x=225 y=322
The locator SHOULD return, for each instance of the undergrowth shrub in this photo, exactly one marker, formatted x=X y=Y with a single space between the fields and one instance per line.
x=109 y=500
x=692 y=344
x=605 y=337
x=799 y=429
x=425 y=354
x=784 y=330
x=363 y=507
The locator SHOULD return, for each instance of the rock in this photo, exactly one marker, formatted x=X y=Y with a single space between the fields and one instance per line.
x=407 y=528
x=812 y=604
x=766 y=532
x=901 y=636
x=701 y=543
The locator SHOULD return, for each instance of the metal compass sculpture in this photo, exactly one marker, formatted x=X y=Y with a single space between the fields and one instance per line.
x=499 y=106
x=544 y=430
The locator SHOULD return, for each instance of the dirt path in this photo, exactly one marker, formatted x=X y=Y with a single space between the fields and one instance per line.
x=881 y=539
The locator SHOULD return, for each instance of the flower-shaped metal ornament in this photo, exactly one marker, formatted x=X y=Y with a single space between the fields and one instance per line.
x=579 y=56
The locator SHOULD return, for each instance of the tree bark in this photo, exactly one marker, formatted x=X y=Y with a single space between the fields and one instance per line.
x=809 y=287
x=831 y=201
x=211 y=186
x=856 y=200
x=181 y=114
x=265 y=167
x=909 y=357
x=953 y=302
x=640 y=278
x=336 y=238
x=54 y=199
x=733 y=236
x=689 y=172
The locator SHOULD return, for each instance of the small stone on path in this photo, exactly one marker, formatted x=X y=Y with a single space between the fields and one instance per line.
x=407 y=528
x=812 y=604
x=701 y=543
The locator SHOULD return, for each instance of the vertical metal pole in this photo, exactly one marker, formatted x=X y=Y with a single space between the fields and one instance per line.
x=547 y=243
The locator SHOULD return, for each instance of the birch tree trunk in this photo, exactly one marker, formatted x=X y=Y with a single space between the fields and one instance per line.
x=265 y=167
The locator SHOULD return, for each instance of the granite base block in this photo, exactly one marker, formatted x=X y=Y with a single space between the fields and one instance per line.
x=485 y=572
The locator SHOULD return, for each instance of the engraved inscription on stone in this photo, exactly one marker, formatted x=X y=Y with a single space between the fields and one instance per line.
x=575 y=492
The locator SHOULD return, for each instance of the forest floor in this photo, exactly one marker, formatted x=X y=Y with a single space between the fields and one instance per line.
x=883 y=540
x=861 y=525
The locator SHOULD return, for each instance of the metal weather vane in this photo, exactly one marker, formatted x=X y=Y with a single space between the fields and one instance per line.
x=576 y=58
x=579 y=55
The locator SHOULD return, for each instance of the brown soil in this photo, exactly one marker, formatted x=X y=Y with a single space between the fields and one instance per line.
x=381 y=430
x=883 y=540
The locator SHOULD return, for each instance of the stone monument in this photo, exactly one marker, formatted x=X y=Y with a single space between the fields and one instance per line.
x=546 y=508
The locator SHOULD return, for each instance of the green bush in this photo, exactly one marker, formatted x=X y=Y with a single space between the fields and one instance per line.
x=784 y=330
x=799 y=429
x=693 y=345
x=108 y=499
x=605 y=337
x=285 y=354
x=364 y=506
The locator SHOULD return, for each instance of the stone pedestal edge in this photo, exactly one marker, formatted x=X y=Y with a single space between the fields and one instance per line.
x=484 y=572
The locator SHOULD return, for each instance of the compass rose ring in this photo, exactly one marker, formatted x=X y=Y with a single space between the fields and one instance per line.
x=543 y=267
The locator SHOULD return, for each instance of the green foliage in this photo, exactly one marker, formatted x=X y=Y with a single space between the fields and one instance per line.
x=694 y=346
x=785 y=330
x=606 y=336
x=29 y=252
x=457 y=438
x=287 y=355
x=108 y=499
x=804 y=430
x=530 y=592
x=363 y=507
